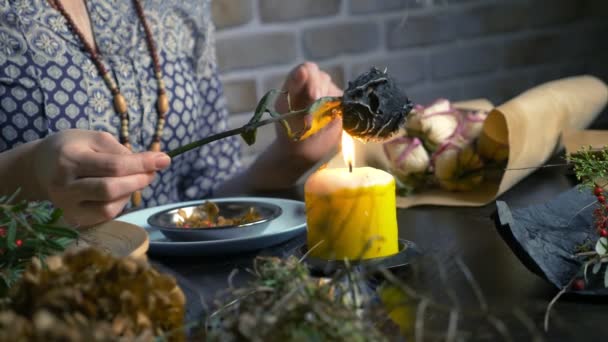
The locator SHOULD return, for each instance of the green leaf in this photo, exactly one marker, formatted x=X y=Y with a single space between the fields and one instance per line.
x=11 y=235
x=57 y=230
x=64 y=241
x=601 y=247
x=585 y=270
x=606 y=277
x=249 y=135
x=589 y=165
x=55 y=215
x=53 y=245
x=12 y=197
x=19 y=207
x=596 y=268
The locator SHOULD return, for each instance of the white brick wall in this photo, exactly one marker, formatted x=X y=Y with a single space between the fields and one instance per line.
x=435 y=48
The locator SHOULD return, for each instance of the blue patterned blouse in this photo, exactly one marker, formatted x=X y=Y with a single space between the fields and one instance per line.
x=48 y=84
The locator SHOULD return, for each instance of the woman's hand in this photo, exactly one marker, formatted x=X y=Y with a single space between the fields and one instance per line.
x=281 y=165
x=305 y=84
x=90 y=175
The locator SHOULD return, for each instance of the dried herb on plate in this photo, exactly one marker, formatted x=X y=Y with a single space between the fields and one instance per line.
x=207 y=215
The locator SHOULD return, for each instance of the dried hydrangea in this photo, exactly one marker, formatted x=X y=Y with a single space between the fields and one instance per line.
x=90 y=295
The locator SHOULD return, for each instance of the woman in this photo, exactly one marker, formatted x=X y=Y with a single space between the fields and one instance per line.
x=90 y=93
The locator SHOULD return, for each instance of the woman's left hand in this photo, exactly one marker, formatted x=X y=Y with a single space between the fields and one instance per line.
x=305 y=84
x=281 y=165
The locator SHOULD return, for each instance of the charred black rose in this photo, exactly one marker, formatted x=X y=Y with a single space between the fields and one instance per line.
x=374 y=108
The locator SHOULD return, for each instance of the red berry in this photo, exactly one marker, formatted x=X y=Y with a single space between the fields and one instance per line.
x=578 y=284
x=604 y=232
x=19 y=243
x=2 y=232
x=597 y=191
x=601 y=199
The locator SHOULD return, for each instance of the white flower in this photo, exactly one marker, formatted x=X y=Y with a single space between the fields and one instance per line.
x=409 y=163
x=407 y=155
x=434 y=124
x=472 y=124
x=457 y=168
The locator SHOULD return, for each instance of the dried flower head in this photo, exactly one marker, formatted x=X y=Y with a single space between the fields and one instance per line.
x=435 y=124
x=373 y=106
x=473 y=124
x=457 y=168
x=89 y=294
x=409 y=161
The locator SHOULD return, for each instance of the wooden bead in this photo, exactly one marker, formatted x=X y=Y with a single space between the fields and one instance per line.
x=136 y=198
x=120 y=104
x=162 y=105
x=155 y=146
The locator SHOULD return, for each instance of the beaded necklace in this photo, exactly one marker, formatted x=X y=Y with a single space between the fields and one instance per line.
x=120 y=104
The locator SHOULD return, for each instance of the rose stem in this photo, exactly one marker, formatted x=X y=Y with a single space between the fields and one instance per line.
x=175 y=152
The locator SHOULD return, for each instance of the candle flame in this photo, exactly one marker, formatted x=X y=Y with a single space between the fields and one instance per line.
x=348 y=150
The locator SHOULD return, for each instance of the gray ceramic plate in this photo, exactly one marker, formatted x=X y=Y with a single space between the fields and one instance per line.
x=166 y=221
x=290 y=224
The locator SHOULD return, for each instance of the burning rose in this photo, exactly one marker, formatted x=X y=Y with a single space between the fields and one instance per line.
x=457 y=168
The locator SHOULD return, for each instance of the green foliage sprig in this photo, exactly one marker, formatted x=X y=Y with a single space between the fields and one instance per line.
x=27 y=230
x=589 y=165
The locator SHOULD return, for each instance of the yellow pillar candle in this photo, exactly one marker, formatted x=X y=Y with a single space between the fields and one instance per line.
x=351 y=213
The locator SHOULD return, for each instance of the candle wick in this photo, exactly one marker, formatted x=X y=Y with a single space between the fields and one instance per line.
x=350 y=167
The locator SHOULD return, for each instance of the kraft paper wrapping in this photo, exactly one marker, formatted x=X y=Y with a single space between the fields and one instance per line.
x=530 y=124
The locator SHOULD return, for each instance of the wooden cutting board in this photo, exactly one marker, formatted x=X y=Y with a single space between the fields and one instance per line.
x=118 y=238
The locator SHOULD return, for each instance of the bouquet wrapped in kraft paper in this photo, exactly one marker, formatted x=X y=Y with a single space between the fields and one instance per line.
x=523 y=132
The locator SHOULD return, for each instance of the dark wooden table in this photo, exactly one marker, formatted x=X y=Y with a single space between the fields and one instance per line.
x=446 y=235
